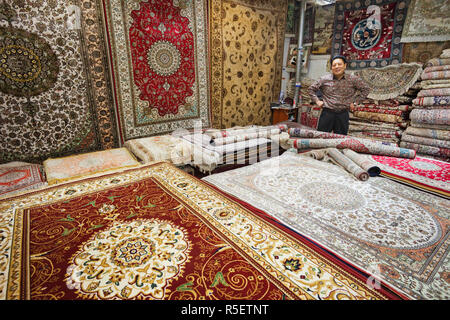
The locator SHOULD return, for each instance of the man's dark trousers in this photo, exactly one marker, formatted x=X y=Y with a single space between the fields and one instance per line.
x=333 y=121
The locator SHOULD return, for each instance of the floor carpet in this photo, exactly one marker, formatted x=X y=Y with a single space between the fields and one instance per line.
x=394 y=232
x=155 y=232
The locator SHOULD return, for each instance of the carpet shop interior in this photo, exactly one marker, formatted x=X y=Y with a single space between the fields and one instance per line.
x=170 y=150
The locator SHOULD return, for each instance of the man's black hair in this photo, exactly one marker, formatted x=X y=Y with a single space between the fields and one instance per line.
x=338 y=57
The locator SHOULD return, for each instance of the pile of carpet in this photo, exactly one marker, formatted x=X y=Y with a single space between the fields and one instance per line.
x=212 y=148
x=429 y=130
x=307 y=139
x=384 y=115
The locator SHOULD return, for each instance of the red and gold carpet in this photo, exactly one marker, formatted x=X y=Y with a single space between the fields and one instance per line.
x=426 y=174
x=159 y=62
x=155 y=232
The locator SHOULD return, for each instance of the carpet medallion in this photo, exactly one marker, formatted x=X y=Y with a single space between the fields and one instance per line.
x=395 y=232
x=391 y=81
x=159 y=56
x=155 y=232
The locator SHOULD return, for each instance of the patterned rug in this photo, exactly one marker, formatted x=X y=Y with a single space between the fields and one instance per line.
x=397 y=233
x=427 y=21
x=81 y=165
x=247 y=38
x=422 y=52
x=427 y=174
x=369 y=36
x=161 y=148
x=20 y=177
x=323 y=29
x=55 y=93
x=159 y=63
x=391 y=81
x=155 y=232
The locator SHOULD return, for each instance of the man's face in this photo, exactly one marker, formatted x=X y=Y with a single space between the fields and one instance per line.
x=338 y=67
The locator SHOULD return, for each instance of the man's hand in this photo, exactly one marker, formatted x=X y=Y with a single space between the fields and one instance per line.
x=319 y=103
x=352 y=107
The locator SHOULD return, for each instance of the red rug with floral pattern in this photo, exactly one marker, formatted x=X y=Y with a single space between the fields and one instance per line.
x=156 y=232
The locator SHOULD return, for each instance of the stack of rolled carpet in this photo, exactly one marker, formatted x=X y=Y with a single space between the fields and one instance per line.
x=306 y=139
x=429 y=130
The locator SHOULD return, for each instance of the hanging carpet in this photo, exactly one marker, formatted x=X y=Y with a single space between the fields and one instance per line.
x=156 y=232
x=158 y=52
x=427 y=21
x=391 y=81
x=398 y=233
x=55 y=88
x=247 y=38
x=368 y=33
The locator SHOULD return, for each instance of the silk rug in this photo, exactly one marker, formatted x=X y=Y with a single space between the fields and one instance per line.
x=427 y=174
x=391 y=81
x=368 y=33
x=159 y=57
x=156 y=232
x=55 y=86
x=77 y=166
x=19 y=178
x=439 y=152
x=323 y=29
x=247 y=38
x=422 y=52
x=427 y=21
x=161 y=148
x=397 y=233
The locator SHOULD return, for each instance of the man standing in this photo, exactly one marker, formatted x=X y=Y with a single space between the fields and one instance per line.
x=339 y=93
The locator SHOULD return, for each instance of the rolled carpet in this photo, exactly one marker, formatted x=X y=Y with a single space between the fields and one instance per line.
x=428 y=125
x=434 y=92
x=426 y=141
x=374 y=116
x=429 y=133
x=355 y=144
x=307 y=133
x=347 y=164
x=437 y=62
x=432 y=101
x=363 y=161
x=436 y=68
x=443 y=153
x=444 y=74
x=259 y=133
x=434 y=116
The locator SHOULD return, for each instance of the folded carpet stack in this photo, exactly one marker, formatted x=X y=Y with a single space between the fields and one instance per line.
x=429 y=130
x=383 y=116
x=379 y=120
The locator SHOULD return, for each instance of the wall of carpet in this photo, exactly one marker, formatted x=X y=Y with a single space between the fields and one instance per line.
x=55 y=96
